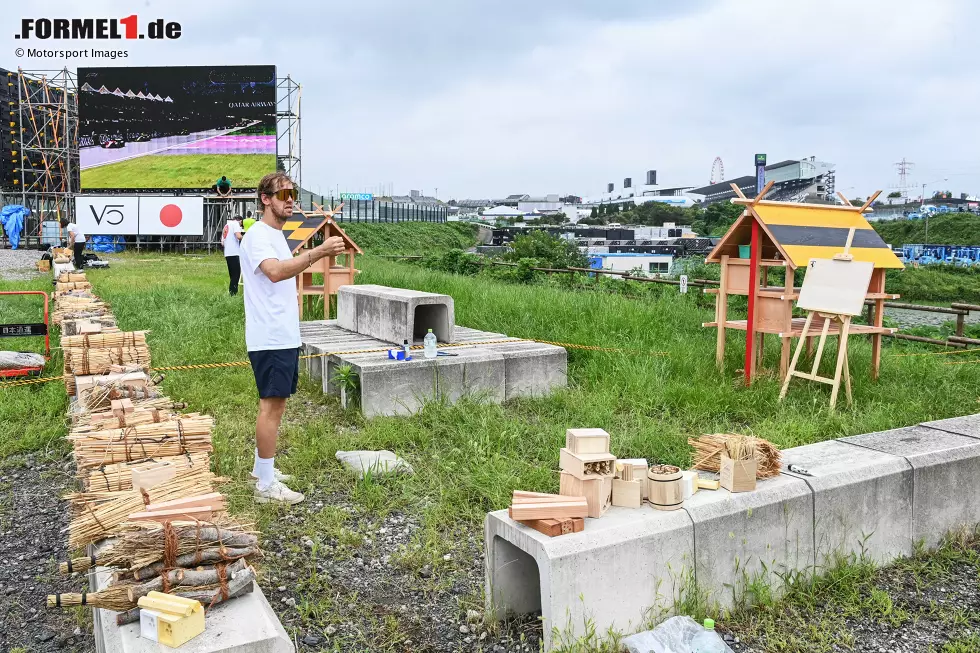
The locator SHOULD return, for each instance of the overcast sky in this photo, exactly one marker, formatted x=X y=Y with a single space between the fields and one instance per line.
x=484 y=99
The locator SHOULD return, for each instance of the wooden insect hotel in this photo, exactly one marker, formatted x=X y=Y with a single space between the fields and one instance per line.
x=786 y=235
x=306 y=230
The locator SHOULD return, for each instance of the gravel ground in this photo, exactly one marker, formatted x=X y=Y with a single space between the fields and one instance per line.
x=366 y=591
x=18 y=264
x=31 y=545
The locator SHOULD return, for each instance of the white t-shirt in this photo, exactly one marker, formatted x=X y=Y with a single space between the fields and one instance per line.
x=74 y=229
x=271 y=309
x=231 y=241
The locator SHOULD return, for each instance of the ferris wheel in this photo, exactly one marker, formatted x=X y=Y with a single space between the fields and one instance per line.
x=717 y=171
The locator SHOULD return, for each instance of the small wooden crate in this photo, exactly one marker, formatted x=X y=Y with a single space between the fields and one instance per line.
x=627 y=494
x=737 y=475
x=597 y=491
x=587 y=441
x=640 y=469
x=587 y=465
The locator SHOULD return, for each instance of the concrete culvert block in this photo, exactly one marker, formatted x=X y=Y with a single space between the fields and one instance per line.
x=395 y=314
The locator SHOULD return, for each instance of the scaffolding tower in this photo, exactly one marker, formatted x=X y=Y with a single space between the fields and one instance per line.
x=48 y=171
x=289 y=136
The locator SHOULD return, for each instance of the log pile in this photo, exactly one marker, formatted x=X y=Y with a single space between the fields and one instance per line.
x=143 y=466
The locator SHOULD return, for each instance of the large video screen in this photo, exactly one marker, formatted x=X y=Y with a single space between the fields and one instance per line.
x=176 y=127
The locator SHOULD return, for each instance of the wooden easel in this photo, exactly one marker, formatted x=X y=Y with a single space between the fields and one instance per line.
x=842 y=368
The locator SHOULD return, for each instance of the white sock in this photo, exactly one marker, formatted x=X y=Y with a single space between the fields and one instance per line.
x=266 y=475
x=255 y=463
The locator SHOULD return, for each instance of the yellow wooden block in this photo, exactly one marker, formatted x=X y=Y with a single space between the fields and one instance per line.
x=160 y=624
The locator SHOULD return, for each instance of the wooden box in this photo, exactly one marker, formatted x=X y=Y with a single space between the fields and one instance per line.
x=587 y=465
x=627 y=494
x=597 y=491
x=587 y=441
x=737 y=475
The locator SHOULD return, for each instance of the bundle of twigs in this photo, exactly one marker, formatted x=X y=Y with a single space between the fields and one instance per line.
x=84 y=360
x=124 y=596
x=708 y=448
x=119 y=476
x=139 y=550
x=239 y=584
x=184 y=435
x=162 y=404
x=95 y=522
x=107 y=340
x=76 y=307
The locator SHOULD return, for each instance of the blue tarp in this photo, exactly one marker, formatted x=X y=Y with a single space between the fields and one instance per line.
x=12 y=219
x=106 y=244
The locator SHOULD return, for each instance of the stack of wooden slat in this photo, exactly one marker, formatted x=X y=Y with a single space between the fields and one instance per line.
x=144 y=466
x=551 y=514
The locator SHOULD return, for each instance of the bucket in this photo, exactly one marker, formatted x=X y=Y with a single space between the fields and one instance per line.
x=745 y=251
x=666 y=489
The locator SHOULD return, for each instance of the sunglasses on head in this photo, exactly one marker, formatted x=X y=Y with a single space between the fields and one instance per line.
x=284 y=194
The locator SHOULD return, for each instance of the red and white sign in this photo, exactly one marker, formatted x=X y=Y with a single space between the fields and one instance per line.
x=107 y=215
x=171 y=216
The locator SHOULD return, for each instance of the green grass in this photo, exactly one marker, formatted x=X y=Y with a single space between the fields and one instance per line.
x=411 y=237
x=944 y=229
x=935 y=283
x=180 y=171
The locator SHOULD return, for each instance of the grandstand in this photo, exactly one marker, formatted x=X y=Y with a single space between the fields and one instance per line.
x=795 y=180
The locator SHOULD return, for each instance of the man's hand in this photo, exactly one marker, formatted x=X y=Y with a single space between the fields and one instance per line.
x=333 y=246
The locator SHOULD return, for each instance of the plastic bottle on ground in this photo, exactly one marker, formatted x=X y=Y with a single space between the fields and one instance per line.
x=429 y=345
x=708 y=641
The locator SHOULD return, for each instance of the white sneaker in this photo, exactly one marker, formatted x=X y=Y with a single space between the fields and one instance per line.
x=276 y=474
x=277 y=493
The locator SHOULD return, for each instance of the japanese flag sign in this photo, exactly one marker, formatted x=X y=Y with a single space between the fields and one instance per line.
x=171 y=216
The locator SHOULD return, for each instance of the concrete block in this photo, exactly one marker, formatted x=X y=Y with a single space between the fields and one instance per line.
x=622 y=570
x=968 y=425
x=862 y=500
x=751 y=536
x=945 y=469
x=397 y=388
x=395 y=314
x=245 y=624
x=533 y=369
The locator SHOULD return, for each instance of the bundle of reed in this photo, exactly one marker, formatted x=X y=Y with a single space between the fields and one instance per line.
x=99 y=397
x=119 y=476
x=107 y=340
x=137 y=417
x=708 y=449
x=124 y=596
x=185 y=435
x=163 y=404
x=139 y=552
x=82 y=308
x=72 y=285
x=66 y=277
x=82 y=360
x=101 y=521
x=239 y=584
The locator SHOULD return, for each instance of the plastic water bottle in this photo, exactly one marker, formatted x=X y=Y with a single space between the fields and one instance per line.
x=429 y=345
x=708 y=641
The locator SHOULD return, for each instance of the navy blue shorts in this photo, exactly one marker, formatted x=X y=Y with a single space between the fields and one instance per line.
x=276 y=371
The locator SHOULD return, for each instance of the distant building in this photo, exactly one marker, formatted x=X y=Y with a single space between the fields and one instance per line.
x=795 y=180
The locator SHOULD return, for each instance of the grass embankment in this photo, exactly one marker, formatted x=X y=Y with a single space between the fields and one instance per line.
x=944 y=229
x=410 y=237
x=180 y=171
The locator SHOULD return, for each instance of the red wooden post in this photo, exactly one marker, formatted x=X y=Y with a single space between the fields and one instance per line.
x=753 y=289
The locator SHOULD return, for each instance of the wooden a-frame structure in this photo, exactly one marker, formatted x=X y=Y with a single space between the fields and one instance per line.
x=301 y=231
x=787 y=235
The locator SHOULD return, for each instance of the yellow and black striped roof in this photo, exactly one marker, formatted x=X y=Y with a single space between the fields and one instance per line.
x=301 y=228
x=801 y=232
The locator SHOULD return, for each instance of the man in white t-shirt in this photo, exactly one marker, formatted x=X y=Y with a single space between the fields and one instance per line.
x=230 y=237
x=272 y=323
x=76 y=241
